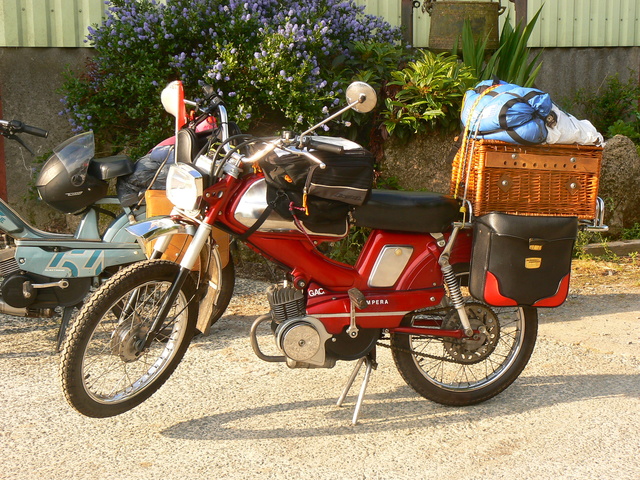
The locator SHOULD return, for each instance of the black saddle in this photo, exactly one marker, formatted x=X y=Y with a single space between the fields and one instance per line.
x=422 y=212
x=110 y=167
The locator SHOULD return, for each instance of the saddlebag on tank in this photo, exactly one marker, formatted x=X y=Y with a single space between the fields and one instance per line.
x=319 y=198
x=520 y=260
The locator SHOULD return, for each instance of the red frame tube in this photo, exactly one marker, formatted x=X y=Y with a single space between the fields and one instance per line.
x=434 y=332
x=326 y=281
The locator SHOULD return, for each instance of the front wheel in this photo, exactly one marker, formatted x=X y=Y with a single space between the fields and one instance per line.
x=104 y=369
x=467 y=371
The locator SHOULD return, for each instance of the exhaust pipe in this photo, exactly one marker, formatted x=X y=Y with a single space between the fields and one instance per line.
x=6 y=309
x=15 y=311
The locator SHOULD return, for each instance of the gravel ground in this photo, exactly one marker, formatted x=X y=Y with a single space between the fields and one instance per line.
x=225 y=414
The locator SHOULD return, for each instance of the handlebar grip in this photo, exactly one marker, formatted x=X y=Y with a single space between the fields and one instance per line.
x=16 y=126
x=326 y=147
x=38 y=132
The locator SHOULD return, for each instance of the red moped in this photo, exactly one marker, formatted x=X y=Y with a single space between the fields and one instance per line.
x=285 y=197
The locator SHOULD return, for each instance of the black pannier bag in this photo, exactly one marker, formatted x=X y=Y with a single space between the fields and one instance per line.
x=518 y=260
x=319 y=198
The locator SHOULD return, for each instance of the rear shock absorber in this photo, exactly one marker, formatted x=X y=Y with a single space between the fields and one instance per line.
x=453 y=286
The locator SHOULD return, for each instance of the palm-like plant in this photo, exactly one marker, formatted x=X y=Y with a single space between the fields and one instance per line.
x=510 y=62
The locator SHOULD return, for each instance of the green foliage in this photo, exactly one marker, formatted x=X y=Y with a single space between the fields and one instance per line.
x=632 y=233
x=510 y=62
x=628 y=129
x=348 y=249
x=428 y=96
x=585 y=238
x=388 y=183
x=263 y=57
x=372 y=63
x=613 y=107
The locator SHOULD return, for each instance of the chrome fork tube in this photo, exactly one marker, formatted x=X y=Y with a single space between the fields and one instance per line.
x=160 y=246
x=188 y=261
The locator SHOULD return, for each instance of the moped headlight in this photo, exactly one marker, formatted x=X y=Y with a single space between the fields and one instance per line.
x=184 y=186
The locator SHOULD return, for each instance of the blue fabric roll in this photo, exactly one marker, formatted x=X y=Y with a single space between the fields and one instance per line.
x=508 y=113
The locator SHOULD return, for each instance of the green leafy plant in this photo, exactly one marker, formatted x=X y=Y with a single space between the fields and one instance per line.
x=628 y=129
x=510 y=62
x=347 y=249
x=372 y=63
x=613 y=107
x=585 y=238
x=428 y=93
x=632 y=233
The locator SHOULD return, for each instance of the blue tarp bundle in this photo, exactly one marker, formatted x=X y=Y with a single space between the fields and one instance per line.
x=506 y=112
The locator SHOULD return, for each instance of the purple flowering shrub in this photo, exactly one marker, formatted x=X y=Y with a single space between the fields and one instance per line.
x=261 y=56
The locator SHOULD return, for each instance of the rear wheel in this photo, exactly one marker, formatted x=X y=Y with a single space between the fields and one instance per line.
x=104 y=369
x=466 y=371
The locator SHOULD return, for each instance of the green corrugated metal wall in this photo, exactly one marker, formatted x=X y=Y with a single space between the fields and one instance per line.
x=47 y=23
x=389 y=9
x=563 y=23
x=587 y=23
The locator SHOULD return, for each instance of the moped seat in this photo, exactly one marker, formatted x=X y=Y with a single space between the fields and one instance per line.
x=110 y=167
x=422 y=212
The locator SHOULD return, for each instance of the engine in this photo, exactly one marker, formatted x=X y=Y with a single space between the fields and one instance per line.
x=10 y=302
x=301 y=338
x=8 y=262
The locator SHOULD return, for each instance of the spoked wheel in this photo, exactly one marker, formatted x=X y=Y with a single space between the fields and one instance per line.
x=466 y=371
x=105 y=369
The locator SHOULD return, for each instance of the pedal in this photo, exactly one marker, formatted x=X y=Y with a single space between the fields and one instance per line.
x=358 y=301
x=357 y=298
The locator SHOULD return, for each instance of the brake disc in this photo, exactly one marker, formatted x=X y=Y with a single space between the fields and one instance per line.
x=478 y=347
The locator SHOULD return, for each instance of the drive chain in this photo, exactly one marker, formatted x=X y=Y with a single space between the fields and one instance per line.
x=417 y=354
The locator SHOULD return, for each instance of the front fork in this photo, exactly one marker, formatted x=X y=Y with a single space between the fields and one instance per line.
x=452 y=283
x=187 y=263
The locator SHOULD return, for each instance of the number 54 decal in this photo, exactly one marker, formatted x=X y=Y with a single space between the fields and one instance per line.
x=81 y=263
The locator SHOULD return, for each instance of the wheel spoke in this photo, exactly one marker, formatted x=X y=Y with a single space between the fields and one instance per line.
x=463 y=375
x=116 y=371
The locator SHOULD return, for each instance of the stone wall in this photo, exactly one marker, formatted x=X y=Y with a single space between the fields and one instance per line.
x=30 y=79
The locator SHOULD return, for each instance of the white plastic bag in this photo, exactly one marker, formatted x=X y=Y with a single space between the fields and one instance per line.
x=568 y=130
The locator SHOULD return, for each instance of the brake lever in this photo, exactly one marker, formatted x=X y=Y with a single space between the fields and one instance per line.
x=310 y=156
x=21 y=142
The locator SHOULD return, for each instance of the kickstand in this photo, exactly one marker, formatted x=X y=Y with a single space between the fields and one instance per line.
x=64 y=323
x=370 y=362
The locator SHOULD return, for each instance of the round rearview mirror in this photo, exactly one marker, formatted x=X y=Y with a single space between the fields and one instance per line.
x=364 y=94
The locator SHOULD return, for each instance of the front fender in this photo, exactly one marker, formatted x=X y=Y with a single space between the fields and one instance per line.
x=160 y=226
x=155 y=227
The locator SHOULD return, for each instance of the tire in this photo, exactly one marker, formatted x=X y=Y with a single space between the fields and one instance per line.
x=468 y=373
x=101 y=372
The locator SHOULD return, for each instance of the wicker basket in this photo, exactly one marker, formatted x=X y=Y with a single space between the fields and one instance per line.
x=554 y=180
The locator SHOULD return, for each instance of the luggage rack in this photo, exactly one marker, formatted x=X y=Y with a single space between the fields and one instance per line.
x=594 y=225
x=597 y=224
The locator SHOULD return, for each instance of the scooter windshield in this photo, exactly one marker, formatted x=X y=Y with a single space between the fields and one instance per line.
x=75 y=154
